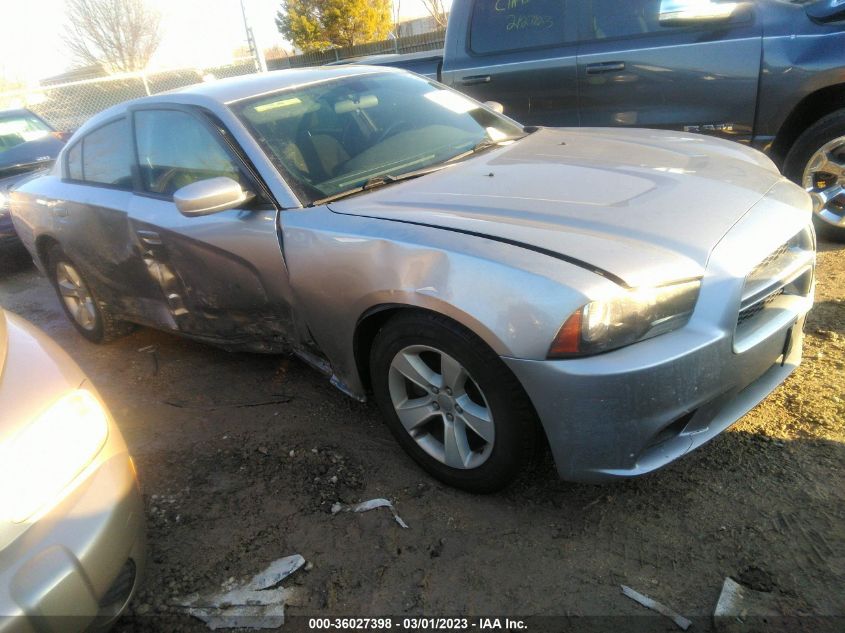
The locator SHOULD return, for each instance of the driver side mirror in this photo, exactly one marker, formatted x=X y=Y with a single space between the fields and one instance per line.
x=212 y=195
x=691 y=12
x=495 y=106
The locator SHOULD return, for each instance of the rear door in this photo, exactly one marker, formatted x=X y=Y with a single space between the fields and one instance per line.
x=633 y=71
x=521 y=53
x=222 y=275
x=91 y=222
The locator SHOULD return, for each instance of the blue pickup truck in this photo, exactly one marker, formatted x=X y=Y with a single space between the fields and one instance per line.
x=769 y=73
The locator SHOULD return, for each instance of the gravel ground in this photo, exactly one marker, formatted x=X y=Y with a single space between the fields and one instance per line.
x=241 y=457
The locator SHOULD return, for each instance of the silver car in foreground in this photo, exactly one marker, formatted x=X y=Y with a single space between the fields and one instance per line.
x=72 y=537
x=624 y=295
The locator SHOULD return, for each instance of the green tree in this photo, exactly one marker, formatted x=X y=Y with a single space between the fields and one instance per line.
x=315 y=25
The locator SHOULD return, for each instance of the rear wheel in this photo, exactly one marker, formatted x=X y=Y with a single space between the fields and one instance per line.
x=451 y=402
x=817 y=162
x=90 y=318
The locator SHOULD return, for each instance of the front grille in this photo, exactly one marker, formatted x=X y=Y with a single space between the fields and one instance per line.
x=754 y=309
x=787 y=270
x=120 y=590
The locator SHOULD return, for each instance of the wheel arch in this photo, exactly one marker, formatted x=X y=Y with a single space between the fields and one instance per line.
x=43 y=244
x=810 y=109
x=373 y=319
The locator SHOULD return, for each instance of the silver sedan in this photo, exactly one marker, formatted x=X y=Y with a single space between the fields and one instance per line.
x=621 y=295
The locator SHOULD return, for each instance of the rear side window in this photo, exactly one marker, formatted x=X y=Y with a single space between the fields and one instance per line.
x=175 y=149
x=509 y=25
x=107 y=155
x=74 y=162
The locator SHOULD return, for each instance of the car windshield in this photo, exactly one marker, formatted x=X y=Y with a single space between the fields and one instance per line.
x=16 y=129
x=336 y=136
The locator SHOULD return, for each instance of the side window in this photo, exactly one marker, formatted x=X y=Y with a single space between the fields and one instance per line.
x=508 y=25
x=623 y=18
x=175 y=149
x=107 y=155
x=74 y=162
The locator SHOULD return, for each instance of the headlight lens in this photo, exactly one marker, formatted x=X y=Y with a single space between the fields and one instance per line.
x=44 y=457
x=626 y=318
x=4 y=202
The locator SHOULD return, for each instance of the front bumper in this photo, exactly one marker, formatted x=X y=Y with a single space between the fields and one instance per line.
x=635 y=410
x=79 y=565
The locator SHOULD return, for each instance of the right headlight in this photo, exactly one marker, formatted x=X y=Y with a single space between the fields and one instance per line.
x=631 y=316
x=4 y=202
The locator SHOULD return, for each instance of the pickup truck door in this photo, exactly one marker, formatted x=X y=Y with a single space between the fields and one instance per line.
x=222 y=275
x=635 y=71
x=519 y=53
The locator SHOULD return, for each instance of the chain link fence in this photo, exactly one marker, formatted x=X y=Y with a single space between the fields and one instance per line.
x=431 y=41
x=66 y=106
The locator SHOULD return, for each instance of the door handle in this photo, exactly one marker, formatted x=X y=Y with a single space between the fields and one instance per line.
x=474 y=80
x=59 y=212
x=605 y=67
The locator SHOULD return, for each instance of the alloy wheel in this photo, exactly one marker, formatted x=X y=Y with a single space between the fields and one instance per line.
x=824 y=180
x=441 y=407
x=77 y=297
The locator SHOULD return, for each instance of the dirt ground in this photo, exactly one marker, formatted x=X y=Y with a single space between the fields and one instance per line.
x=241 y=457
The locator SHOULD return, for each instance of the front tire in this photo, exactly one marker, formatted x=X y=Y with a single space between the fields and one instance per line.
x=817 y=163
x=92 y=319
x=451 y=402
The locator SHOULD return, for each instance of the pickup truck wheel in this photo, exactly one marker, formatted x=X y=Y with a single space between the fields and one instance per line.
x=451 y=402
x=817 y=162
x=91 y=318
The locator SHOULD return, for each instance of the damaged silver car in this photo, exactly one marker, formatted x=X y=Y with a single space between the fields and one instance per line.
x=621 y=295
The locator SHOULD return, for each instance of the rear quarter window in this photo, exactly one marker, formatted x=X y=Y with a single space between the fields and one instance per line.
x=107 y=155
x=509 y=25
x=74 y=162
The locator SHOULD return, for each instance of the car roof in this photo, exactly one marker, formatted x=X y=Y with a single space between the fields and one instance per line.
x=235 y=89
x=222 y=92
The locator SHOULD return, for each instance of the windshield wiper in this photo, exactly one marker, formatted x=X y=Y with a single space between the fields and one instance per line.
x=376 y=182
x=483 y=144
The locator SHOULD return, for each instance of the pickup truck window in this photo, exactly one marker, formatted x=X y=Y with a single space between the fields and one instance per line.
x=508 y=25
x=610 y=19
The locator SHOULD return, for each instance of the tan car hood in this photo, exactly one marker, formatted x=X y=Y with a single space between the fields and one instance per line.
x=644 y=206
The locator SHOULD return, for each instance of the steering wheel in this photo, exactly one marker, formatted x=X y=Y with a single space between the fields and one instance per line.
x=390 y=130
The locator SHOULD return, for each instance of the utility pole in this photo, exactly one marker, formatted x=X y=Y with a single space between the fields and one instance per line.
x=255 y=51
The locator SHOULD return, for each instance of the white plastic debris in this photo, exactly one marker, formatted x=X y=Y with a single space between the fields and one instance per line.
x=366 y=506
x=662 y=609
x=738 y=604
x=259 y=604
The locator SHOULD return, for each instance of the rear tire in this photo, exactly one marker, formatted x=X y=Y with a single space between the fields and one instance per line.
x=91 y=318
x=471 y=424
x=816 y=162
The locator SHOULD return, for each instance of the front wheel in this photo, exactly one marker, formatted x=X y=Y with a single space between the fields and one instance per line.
x=451 y=402
x=817 y=163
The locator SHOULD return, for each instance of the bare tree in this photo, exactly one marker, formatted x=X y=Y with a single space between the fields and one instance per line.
x=436 y=10
x=121 y=35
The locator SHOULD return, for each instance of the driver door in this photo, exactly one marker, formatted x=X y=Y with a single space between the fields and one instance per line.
x=222 y=275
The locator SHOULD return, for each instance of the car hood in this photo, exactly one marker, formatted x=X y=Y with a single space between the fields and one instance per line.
x=37 y=154
x=642 y=206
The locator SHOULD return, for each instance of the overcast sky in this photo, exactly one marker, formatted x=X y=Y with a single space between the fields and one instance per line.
x=195 y=33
